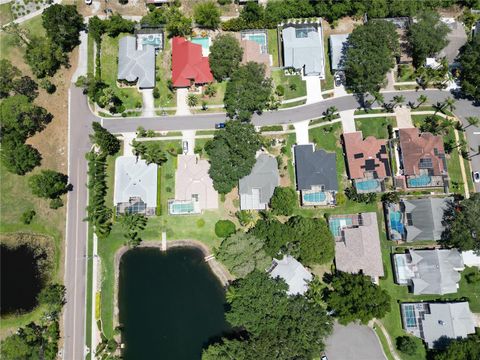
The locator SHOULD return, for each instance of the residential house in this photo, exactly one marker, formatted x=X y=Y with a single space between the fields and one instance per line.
x=429 y=271
x=303 y=48
x=257 y=188
x=471 y=258
x=422 y=159
x=436 y=323
x=294 y=274
x=135 y=188
x=417 y=219
x=357 y=244
x=316 y=175
x=338 y=48
x=189 y=67
x=136 y=65
x=194 y=190
x=367 y=161
x=255 y=50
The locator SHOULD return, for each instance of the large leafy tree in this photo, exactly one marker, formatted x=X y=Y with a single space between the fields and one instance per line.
x=315 y=241
x=275 y=234
x=462 y=228
x=133 y=224
x=107 y=142
x=248 y=91
x=243 y=253
x=225 y=56
x=19 y=158
x=283 y=201
x=177 y=23
x=49 y=184
x=232 y=154
x=460 y=349
x=8 y=72
x=117 y=24
x=207 y=15
x=427 y=36
x=26 y=86
x=63 y=24
x=470 y=71
x=370 y=56
x=44 y=56
x=355 y=297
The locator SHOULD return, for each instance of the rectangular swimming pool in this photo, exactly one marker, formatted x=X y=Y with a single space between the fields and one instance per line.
x=259 y=37
x=337 y=224
x=316 y=197
x=181 y=207
x=204 y=41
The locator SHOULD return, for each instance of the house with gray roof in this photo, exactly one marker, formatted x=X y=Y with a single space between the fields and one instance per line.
x=294 y=274
x=136 y=65
x=429 y=271
x=338 y=48
x=135 y=189
x=316 y=175
x=423 y=218
x=257 y=188
x=436 y=323
x=303 y=48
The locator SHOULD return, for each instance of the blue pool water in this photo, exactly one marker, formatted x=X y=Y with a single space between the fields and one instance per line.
x=181 y=208
x=336 y=225
x=396 y=221
x=316 y=197
x=155 y=41
x=204 y=41
x=367 y=185
x=420 y=181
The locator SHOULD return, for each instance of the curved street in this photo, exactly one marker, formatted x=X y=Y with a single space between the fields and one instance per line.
x=80 y=119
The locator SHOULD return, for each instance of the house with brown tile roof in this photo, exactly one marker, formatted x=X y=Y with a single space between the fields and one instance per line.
x=367 y=161
x=422 y=158
x=252 y=51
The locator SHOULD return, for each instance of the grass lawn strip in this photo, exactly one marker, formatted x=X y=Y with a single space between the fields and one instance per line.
x=327 y=84
x=273 y=46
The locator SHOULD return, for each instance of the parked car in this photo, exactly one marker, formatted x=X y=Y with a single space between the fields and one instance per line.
x=338 y=80
x=476 y=176
x=185 y=147
x=88 y=2
x=324 y=357
x=219 y=125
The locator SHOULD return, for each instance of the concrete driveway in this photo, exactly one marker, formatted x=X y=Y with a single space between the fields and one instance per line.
x=148 y=103
x=353 y=342
x=182 y=105
x=314 y=89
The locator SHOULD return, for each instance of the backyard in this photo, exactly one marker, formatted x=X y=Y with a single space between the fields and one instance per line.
x=167 y=97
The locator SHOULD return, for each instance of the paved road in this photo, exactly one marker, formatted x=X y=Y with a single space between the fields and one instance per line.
x=353 y=342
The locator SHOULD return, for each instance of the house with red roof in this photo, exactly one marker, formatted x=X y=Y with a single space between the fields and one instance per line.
x=189 y=66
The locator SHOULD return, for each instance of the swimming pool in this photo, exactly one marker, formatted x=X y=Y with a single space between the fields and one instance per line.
x=315 y=197
x=204 y=41
x=367 y=185
x=420 y=181
x=337 y=224
x=395 y=219
x=259 y=37
x=154 y=40
x=181 y=207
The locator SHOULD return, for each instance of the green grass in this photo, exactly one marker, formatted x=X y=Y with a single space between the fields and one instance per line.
x=406 y=72
x=90 y=55
x=371 y=111
x=218 y=98
x=5 y=13
x=384 y=343
x=273 y=45
x=129 y=96
x=291 y=139
x=163 y=74
x=405 y=87
x=9 y=47
x=327 y=84
x=292 y=104
x=279 y=78
x=376 y=126
x=88 y=312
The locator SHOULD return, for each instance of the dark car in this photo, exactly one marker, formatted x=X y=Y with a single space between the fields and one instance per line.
x=219 y=125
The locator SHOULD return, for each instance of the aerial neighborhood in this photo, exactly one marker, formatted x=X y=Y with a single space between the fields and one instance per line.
x=230 y=179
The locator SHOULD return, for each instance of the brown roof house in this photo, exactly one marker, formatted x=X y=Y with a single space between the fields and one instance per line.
x=253 y=50
x=422 y=158
x=357 y=244
x=367 y=161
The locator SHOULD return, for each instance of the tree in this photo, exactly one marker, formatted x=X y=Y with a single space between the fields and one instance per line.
x=49 y=184
x=106 y=141
x=53 y=295
x=316 y=244
x=133 y=224
x=355 y=297
x=329 y=114
x=242 y=253
x=460 y=349
x=28 y=216
x=449 y=103
x=225 y=56
x=472 y=121
x=15 y=347
x=232 y=154
x=370 y=56
x=116 y=25
x=207 y=15
x=427 y=36
x=224 y=228
x=248 y=91
x=422 y=99
x=151 y=152
x=275 y=235
x=19 y=158
x=178 y=24
x=8 y=72
x=391 y=197
x=407 y=345
x=462 y=228
x=26 y=86
x=192 y=100
x=155 y=17
x=470 y=68
x=63 y=24
x=252 y=12
x=96 y=28
x=44 y=57
x=283 y=201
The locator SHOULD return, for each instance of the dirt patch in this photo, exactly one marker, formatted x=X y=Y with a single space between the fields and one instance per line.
x=231 y=203
x=343 y=26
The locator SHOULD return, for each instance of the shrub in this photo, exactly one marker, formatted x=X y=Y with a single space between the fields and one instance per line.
x=56 y=203
x=224 y=228
x=280 y=90
x=156 y=93
x=28 y=216
x=224 y=2
x=200 y=223
x=473 y=277
x=283 y=201
x=407 y=345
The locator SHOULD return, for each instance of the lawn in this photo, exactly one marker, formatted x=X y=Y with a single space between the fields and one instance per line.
x=9 y=44
x=370 y=111
x=405 y=73
x=327 y=84
x=376 y=126
x=300 y=89
x=130 y=96
x=273 y=46
x=163 y=74
x=5 y=13
x=218 y=98
x=90 y=55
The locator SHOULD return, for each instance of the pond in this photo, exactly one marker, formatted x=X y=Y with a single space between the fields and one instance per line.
x=171 y=304
x=20 y=279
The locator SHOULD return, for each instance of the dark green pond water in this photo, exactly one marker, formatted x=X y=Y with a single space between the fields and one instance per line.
x=20 y=280
x=171 y=304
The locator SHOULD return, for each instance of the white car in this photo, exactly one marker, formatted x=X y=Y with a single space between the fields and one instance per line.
x=88 y=2
x=476 y=176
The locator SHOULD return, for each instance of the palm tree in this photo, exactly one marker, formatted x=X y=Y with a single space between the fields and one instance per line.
x=192 y=100
x=449 y=103
x=472 y=121
x=422 y=99
x=439 y=106
x=398 y=99
x=329 y=113
x=230 y=294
